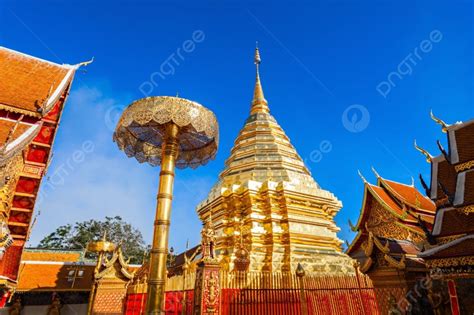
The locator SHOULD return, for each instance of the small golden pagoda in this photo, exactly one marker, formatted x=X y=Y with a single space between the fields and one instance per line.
x=266 y=199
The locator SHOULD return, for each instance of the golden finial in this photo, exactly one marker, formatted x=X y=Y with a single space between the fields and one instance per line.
x=257 y=59
x=444 y=126
x=259 y=103
x=429 y=157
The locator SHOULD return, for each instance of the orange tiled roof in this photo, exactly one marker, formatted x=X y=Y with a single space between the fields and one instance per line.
x=6 y=126
x=58 y=256
x=26 y=82
x=382 y=194
x=54 y=276
x=410 y=195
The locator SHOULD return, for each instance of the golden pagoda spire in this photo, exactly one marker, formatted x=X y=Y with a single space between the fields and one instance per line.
x=259 y=103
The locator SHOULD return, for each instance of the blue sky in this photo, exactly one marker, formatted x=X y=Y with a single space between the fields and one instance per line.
x=321 y=65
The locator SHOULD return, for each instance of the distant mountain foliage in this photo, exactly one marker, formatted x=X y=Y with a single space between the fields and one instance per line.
x=118 y=231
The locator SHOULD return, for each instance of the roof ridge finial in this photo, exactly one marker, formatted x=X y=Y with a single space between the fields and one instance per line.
x=444 y=125
x=375 y=172
x=362 y=176
x=259 y=103
x=428 y=156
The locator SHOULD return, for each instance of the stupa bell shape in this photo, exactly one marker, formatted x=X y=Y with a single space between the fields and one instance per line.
x=267 y=200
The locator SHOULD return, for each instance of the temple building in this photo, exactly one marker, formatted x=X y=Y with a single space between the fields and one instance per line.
x=32 y=96
x=450 y=250
x=267 y=202
x=49 y=279
x=418 y=251
x=390 y=237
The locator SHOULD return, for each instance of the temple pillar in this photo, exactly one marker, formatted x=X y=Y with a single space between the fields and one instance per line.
x=207 y=297
x=207 y=292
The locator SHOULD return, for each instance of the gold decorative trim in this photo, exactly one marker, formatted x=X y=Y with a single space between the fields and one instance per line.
x=467 y=210
x=464 y=166
x=19 y=111
x=450 y=262
x=394 y=263
x=448 y=239
x=383 y=248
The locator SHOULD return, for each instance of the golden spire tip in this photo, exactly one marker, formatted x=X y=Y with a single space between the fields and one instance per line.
x=259 y=104
x=257 y=59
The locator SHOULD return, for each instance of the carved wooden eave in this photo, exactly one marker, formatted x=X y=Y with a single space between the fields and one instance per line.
x=395 y=263
x=9 y=150
x=383 y=248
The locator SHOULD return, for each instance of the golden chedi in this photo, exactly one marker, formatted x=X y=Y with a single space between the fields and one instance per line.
x=267 y=200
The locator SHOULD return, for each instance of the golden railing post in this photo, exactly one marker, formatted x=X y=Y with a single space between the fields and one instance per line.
x=300 y=273
x=159 y=248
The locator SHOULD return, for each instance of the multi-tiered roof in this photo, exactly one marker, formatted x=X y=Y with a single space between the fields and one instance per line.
x=452 y=188
x=394 y=217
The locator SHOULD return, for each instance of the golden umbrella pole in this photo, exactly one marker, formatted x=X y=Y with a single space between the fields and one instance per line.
x=171 y=132
x=159 y=249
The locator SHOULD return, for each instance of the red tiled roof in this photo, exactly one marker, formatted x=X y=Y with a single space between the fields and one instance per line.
x=26 y=81
x=410 y=195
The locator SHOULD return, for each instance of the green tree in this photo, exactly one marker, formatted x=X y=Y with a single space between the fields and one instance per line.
x=78 y=235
